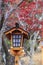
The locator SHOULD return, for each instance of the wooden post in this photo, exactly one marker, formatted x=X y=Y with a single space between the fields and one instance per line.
x=11 y=40
x=22 y=41
x=16 y=60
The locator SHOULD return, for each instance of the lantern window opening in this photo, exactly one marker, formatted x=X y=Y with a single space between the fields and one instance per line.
x=16 y=40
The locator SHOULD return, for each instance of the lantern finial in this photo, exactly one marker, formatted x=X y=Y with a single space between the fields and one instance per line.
x=16 y=25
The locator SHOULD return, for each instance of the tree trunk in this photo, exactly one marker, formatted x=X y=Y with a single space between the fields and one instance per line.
x=2 y=14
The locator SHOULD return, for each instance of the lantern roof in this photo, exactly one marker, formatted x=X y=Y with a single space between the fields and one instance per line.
x=16 y=28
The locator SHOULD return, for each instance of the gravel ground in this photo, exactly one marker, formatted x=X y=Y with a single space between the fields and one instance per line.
x=37 y=60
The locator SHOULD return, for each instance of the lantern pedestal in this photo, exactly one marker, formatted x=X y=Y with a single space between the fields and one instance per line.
x=17 y=53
